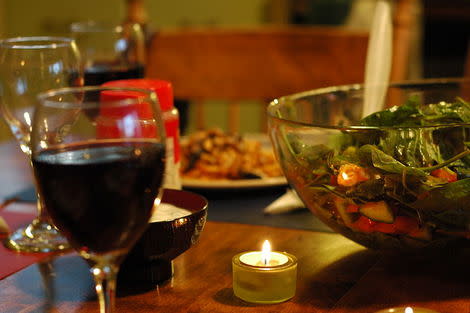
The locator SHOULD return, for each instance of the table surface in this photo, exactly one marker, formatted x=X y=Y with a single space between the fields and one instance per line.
x=334 y=274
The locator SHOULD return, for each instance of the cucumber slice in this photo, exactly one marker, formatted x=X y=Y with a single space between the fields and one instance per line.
x=341 y=205
x=377 y=211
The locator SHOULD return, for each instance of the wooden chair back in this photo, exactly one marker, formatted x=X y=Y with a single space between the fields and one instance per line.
x=254 y=64
x=467 y=62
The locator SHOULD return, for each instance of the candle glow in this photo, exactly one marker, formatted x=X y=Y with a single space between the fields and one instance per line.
x=266 y=252
x=407 y=309
x=264 y=276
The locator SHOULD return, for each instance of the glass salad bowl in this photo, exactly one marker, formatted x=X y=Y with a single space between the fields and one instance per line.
x=397 y=179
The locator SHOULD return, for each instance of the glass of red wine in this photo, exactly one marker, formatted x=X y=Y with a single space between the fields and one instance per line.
x=100 y=178
x=28 y=66
x=110 y=52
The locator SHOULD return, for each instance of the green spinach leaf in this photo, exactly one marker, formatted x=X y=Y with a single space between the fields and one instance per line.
x=379 y=159
x=451 y=196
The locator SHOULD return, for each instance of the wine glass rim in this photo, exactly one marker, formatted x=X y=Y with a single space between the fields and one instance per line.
x=35 y=42
x=45 y=97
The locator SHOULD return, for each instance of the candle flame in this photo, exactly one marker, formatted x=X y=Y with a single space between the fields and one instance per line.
x=408 y=310
x=266 y=252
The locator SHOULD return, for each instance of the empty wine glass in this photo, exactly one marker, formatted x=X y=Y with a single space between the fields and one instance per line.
x=100 y=178
x=29 y=65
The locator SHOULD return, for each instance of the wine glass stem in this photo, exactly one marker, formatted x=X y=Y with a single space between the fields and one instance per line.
x=105 y=285
x=42 y=214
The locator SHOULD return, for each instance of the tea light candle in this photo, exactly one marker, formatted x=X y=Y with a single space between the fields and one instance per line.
x=264 y=276
x=406 y=310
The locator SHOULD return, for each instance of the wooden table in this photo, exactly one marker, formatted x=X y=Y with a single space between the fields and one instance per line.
x=335 y=275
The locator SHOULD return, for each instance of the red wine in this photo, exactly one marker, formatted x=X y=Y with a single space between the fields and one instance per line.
x=100 y=196
x=101 y=73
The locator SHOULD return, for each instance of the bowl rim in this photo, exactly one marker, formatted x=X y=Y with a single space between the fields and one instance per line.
x=191 y=201
x=270 y=111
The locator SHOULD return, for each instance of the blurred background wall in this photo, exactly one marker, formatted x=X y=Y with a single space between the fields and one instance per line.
x=53 y=17
x=28 y=17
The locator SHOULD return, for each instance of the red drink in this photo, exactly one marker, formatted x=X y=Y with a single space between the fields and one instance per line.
x=101 y=195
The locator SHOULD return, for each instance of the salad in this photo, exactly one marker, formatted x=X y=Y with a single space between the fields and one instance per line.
x=402 y=183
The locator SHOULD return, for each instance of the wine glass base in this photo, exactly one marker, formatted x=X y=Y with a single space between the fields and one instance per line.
x=38 y=236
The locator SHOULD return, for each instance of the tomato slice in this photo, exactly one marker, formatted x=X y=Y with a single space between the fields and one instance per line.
x=405 y=224
x=445 y=173
x=385 y=228
x=364 y=224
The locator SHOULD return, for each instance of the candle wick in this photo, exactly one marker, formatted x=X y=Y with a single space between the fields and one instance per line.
x=265 y=261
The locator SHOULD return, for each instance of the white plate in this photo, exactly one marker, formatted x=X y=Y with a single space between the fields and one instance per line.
x=235 y=183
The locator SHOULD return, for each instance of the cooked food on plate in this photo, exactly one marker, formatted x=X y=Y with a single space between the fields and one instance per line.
x=213 y=154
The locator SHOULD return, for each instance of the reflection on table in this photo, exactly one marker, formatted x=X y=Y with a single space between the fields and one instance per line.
x=334 y=274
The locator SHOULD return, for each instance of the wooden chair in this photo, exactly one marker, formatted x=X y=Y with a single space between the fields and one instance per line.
x=404 y=19
x=254 y=64
x=467 y=62
x=263 y=63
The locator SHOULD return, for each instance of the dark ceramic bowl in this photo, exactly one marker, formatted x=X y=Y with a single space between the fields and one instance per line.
x=150 y=261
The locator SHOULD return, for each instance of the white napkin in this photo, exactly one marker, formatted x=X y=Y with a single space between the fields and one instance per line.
x=4 y=229
x=289 y=201
x=379 y=58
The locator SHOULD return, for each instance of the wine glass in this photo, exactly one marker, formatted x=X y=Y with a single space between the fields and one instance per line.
x=100 y=178
x=110 y=52
x=29 y=65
